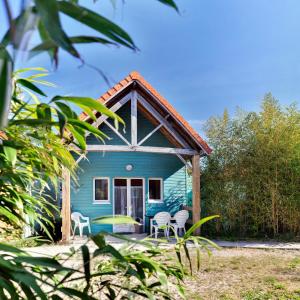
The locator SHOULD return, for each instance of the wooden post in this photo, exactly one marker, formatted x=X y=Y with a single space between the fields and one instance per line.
x=134 y=118
x=66 y=207
x=196 y=191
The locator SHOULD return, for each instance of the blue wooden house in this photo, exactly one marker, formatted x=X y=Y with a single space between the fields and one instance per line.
x=151 y=165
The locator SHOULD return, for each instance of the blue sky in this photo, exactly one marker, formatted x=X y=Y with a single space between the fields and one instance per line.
x=214 y=55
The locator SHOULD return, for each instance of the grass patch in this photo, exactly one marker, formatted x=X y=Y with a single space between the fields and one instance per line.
x=247 y=274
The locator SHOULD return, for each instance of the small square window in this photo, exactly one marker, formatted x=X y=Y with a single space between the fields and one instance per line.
x=155 y=189
x=101 y=190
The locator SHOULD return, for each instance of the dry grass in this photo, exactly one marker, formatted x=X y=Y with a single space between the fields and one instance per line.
x=248 y=274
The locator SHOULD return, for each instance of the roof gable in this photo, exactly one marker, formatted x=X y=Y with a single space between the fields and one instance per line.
x=135 y=77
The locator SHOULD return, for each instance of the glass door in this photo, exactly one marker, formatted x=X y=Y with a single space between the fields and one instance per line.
x=128 y=201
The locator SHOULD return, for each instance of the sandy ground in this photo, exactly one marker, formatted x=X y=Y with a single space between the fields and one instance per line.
x=50 y=250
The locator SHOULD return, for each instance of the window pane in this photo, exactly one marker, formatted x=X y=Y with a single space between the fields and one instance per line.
x=155 y=189
x=101 y=189
x=136 y=182
x=120 y=182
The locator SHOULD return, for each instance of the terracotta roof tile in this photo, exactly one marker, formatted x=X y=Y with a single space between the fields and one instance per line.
x=136 y=76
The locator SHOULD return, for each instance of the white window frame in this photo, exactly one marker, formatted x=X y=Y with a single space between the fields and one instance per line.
x=107 y=201
x=161 y=200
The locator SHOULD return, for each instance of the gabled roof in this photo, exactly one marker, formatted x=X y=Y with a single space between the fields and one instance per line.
x=136 y=77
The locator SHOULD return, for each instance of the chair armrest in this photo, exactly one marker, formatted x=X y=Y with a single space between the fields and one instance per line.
x=85 y=218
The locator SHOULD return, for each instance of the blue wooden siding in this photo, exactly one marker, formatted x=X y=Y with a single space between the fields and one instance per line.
x=176 y=186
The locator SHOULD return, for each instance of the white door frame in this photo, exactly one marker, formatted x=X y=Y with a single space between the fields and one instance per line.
x=129 y=194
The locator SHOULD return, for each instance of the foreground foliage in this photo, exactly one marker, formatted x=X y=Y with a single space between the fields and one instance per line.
x=139 y=268
x=36 y=146
x=252 y=178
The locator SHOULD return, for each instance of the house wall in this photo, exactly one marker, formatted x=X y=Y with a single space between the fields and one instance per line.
x=176 y=187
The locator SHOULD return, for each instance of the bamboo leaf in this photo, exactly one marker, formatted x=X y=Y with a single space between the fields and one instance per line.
x=11 y=154
x=86 y=263
x=88 y=127
x=49 y=14
x=169 y=3
x=97 y=22
x=198 y=224
x=6 y=67
x=116 y=219
x=49 y=45
x=31 y=86
x=91 y=104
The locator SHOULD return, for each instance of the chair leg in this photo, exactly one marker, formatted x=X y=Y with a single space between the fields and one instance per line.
x=74 y=230
x=156 y=231
x=166 y=232
x=90 y=231
x=80 y=231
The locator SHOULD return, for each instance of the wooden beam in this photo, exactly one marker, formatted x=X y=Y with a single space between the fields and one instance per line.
x=158 y=102
x=134 y=118
x=187 y=163
x=150 y=134
x=196 y=191
x=117 y=148
x=162 y=120
x=116 y=132
x=80 y=158
x=66 y=207
x=114 y=108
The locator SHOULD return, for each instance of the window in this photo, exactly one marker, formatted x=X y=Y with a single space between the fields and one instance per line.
x=155 y=189
x=101 y=190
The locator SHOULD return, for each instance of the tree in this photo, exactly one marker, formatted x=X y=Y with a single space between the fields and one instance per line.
x=252 y=178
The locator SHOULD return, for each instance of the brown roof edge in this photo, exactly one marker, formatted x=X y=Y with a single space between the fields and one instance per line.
x=136 y=76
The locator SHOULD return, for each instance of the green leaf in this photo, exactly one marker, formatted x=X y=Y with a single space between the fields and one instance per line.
x=6 y=67
x=86 y=263
x=9 y=287
x=116 y=219
x=90 y=103
x=11 y=154
x=49 y=14
x=9 y=248
x=31 y=86
x=169 y=3
x=49 y=45
x=21 y=26
x=66 y=110
x=198 y=224
x=30 y=70
x=73 y=292
x=78 y=136
x=43 y=111
x=99 y=240
x=33 y=122
x=88 y=127
x=44 y=35
x=62 y=120
x=41 y=261
x=97 y=22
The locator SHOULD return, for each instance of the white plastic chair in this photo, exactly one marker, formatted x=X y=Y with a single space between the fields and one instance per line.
x=180 y=219
x=76 y=217
x=162 y=219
